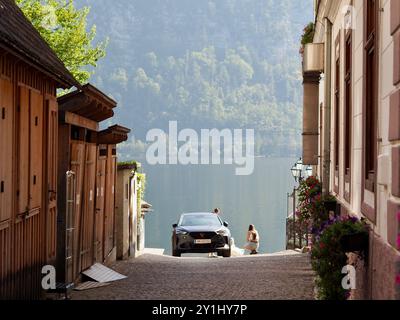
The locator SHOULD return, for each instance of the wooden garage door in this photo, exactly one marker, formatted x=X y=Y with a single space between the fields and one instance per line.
x=100 y=203
x=88 y=209
x=29 y=232
x=51 y=178
x=77 y=166
x=6 y=187
x=6 y=135
x=109 y=214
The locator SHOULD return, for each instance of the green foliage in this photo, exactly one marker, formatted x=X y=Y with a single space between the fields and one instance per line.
x=311 y=208
x=328 y=257
x=141 y=178
x=132 y=163
x=65 y=29
x=308 y=35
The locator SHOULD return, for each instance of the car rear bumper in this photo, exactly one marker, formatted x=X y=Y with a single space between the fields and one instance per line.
x=187 y=244
x=208 y=249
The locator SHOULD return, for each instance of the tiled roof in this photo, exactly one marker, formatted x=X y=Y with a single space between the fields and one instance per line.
x=20 y=37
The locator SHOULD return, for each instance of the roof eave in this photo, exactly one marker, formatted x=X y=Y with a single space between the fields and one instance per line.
x=113 y=135
x=88 y=102
x=62 y=81
x=100 y=95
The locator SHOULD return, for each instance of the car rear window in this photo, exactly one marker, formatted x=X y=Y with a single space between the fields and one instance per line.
x=200 y=220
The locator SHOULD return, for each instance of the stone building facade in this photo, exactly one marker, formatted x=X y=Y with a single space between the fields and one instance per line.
x=352 y=125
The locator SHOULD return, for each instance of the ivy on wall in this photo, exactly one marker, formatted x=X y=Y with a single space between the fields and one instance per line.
x=141 y=180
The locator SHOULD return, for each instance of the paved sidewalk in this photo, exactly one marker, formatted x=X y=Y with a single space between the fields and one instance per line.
x=263 y=277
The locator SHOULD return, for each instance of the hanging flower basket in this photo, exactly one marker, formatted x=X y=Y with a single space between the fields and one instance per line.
x=330 y=205
x=356 y=242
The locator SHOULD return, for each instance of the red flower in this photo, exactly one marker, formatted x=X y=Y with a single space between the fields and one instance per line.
x=398 y=279
x=322 y=245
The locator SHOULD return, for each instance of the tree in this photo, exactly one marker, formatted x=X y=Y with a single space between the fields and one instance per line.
x=64 y=27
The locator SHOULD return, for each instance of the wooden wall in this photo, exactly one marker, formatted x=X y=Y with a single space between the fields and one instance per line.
x=33 y=158
x=109 y=213
x=94 y=170
x=28 y=137
x=100 y=202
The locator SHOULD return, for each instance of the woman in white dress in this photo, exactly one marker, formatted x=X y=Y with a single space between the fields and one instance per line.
x=253 y=240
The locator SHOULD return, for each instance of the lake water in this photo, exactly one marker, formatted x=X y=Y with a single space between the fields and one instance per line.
x=259 y=199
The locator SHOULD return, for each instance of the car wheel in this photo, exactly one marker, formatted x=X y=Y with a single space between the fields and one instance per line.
x=227 y=253
x=176 y=253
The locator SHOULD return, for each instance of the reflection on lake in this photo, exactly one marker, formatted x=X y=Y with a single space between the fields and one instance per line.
x=259 y=199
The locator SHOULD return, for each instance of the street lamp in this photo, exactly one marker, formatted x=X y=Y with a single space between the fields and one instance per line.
x=309 y=171
x=300 y=171
x=295 y=173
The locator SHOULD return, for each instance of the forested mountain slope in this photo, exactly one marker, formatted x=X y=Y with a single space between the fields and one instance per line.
x=206 y=64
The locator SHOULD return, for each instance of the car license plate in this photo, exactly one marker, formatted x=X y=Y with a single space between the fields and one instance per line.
x=202 y=241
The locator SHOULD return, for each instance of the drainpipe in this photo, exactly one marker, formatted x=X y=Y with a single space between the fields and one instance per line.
x=327 y=109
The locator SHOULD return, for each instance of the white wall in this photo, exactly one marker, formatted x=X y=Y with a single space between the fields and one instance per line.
x=386 y=87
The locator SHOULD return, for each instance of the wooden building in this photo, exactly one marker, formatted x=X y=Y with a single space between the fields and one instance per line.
x=87 y=179
x=30 y=74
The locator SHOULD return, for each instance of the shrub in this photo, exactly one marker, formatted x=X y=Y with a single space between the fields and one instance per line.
x=328 y=257
x=307 y=36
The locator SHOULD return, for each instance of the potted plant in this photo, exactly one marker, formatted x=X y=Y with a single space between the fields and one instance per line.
x=330 y=204
x=329 y=255
x=355 y=242
x=307 y=36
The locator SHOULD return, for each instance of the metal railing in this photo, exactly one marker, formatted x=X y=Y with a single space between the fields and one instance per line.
x=297 y=232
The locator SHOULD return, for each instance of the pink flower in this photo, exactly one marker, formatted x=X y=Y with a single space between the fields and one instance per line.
x=398 y=215
x=398 y=241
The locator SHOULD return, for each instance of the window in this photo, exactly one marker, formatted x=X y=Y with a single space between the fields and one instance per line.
x=348 y=105
x=103 y=151
x=371 y=95
x=337 y=108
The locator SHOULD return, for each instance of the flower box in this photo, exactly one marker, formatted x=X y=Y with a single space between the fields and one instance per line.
x=330 y=205
x=356 y=242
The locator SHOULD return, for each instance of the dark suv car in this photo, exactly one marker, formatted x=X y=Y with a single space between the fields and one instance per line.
x=201 y=233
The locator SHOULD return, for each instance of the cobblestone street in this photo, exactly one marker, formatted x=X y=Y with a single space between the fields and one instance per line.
x=264 y=277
